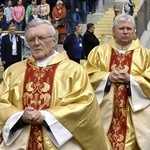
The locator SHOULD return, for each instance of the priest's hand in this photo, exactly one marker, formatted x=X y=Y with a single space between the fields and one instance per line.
x=124 y=77
x=32 y=116
x=113 y=76
x=118 y=76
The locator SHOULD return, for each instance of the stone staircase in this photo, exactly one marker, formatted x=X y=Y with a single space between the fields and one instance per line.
x=103 y=27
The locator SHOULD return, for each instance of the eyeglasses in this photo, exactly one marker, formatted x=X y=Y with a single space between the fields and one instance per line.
x=40 y=38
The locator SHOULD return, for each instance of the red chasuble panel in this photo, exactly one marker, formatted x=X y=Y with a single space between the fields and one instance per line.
x=118 y=128
x=37 y=92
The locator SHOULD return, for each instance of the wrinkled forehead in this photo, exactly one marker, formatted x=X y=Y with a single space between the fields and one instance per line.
x=125 y=23
x=39 y=30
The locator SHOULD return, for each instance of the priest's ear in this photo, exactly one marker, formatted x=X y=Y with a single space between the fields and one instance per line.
x=55 y=42
x=135 y=31
x=135 y=36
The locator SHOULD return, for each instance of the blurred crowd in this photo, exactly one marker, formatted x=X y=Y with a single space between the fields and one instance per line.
x=20 y=12
x=65 y=15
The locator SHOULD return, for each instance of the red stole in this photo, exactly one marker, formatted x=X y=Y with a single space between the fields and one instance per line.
x=37 y=93
x=118 y=128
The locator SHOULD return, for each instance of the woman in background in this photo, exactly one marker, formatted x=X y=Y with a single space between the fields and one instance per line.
x=44 y=10
x=18 y=15
x=59 y=13
x=30 y=8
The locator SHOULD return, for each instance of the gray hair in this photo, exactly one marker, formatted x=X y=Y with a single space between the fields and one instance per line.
x=59 y=2
x=35 y=9
x=124 y=18
x=36 y=22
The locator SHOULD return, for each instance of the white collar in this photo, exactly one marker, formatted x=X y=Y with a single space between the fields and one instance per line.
x=123 y=49
x=11 y=35
x=46 y=61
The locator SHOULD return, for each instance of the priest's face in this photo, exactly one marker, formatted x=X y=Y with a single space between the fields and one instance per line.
x=41 y=41
x=124 y=32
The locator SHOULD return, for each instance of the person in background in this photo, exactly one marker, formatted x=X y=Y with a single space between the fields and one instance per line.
x=120 y=73
x=44 y=10
x=73 y=45
x=117 y=12
x=72 y=7
x=55 y=25
x=132 y=6
x=34 y=14
x=18 y=15
x=91 y=5
x=37 y=112
x=59 y=13
x=11 y=47
x=89 y=39
x=29 y=9
x=3 y=24
x=26 y=48
x=8 y=13
x=121 y=6
x=83 y=10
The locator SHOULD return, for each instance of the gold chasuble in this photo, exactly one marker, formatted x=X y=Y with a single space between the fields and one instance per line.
x=37 y=91
x=118 y=128
x=125 y=125
x=62 y=88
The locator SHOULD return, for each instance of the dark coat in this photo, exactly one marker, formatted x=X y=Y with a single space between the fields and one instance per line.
x=6 y=48
x=69 y=46
x=89 y=41
x=3 y=23
x=71 y=5
x=131 y=5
